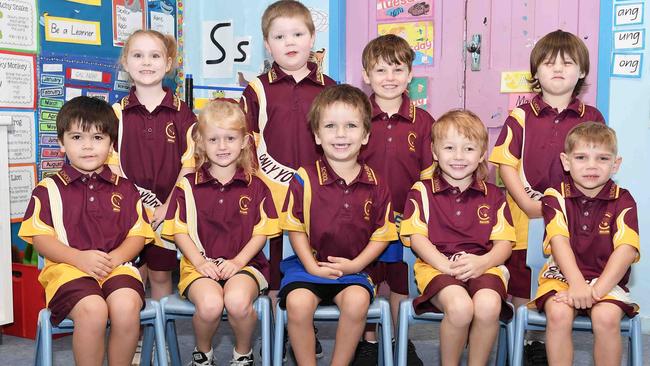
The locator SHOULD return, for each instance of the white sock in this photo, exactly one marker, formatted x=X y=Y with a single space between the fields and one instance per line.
x=207 y=354
x=237 y=356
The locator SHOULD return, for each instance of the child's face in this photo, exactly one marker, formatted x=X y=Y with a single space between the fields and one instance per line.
x=388 y=81
x=223 y=146
x=458 y=157
x=341 y=133
x=559 y=76
x=590 y=166
x=146 y=61
x=289 y=43
x=86 y=150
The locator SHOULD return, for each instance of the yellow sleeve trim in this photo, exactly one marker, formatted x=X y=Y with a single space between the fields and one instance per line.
x=501 y=153
x=287 y=220
x=187 y=160
x=625 y=235
x=388 y=232
x=502 y=230
x=34 y=226
x=141 y=227
x=428 y=172
x=174 y=226
x=266 y=226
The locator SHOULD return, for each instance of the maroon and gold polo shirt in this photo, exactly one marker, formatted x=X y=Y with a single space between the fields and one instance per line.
x=153 y=146
x=456 y=221
x=340 y=219
x=96 y=211
x=222 y=218
x=399 y=148
x=276 y=110
x=595 y=226
x=531 y=141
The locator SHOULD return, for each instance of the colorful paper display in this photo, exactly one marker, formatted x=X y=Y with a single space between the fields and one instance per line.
x=419 y=35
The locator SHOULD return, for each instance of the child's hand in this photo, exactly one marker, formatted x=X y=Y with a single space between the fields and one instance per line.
x=344 y=265
x=595 y=293
x=325 y=272
x=562 y=297
x=208 y=269
x=159 y=215
x=580 y=296
x=469 y=266
x=228 y=268
x=95 y=263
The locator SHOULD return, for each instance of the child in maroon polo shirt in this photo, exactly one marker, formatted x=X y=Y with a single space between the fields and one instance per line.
x=592 y=238
x=460 y=228
x=399 y=149
x=276 y=105
x=154 y=148
x=87 y=222
x=340 y=219
x=220 y=217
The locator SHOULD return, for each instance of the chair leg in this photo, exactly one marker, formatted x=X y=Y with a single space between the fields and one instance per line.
x=147 y=345
x=278 y=338
x=264 y=304
x=502 y=346
x=405 y=307
x=44 y=346
x=386 y=333
x=172 y=342
x=518 y=342
x=510 y=331
x=636 y=352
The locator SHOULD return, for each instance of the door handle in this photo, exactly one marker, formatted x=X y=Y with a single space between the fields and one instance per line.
x=474 y=48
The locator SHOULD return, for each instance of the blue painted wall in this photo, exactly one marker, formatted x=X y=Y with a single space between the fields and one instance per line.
x=627 y=106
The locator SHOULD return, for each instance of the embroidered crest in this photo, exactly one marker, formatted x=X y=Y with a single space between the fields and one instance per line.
x=411 y=138
x=367 y=209
x=483 y=213
x=244 y=200
x=116 y=201
x=170 y=132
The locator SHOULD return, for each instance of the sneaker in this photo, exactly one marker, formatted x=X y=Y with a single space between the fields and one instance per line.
x=367 y=354
x=137 y=355
x=243 y=361
x=535 y=354
x=319 y=347
x=412 y=358
x=200 y=359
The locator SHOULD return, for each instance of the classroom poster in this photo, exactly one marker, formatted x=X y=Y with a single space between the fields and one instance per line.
x=419 y=35
x=418 y=90
x=403 y=9
x=515 y=82
x=68 y=30
x=17 y=80
x=21 y=137
x=18 y=20
x=162 y=16
x=128 y=16
x=22 y=180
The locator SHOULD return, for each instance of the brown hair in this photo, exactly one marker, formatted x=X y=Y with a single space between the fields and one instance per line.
x=343 y=93
x=224 y=113
x=390 y=48
x=287 y=9
x=468 y=124
x=168 y=41
x=87 y=112
x=562 y=43
x=591 y=133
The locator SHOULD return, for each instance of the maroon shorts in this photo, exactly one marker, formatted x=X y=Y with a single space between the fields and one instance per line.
x=158 y=258
x=68 y=295
x=394 y=273
x=275 y=257
x=422 y=304
x=628 y=310
x=519 y=283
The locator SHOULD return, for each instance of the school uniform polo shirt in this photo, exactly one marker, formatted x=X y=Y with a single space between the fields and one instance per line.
x=531 y=141
x=595 y=226
x=153 y=146
x=456 y=221
x=276 y=110
x=221 y=218
x=399 y=148
x=89 y=211
x=340 y=219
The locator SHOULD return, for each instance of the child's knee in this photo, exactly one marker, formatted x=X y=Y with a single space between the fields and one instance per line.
x=238 y=305
x=460 y=312
x=559 y=315
x=90 y=312
x=209 y=308
x=487 y=307
x=301 y=304
x=355 y=303
x=160 y=277
x=606 y=319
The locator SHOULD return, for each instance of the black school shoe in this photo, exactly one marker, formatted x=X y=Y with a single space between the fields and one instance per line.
x=535 y=354
x=366 y=354
x=412 y=358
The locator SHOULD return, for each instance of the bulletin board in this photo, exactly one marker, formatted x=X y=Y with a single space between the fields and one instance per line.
x=237 y=43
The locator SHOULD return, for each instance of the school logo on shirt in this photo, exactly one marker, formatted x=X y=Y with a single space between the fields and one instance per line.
x=411 y=140
x=243 y=204
x=116 y=201
x=604 y=227
x=483 y=213
x=170 y=132
x=367 y=208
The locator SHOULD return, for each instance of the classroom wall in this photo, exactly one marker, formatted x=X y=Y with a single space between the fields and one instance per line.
x=628 y=112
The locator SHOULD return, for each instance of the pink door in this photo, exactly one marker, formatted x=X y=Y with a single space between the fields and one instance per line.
x=508 y=30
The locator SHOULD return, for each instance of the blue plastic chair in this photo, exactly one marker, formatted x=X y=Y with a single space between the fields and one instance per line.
x=378 y=313
x=150 y=318
x=530 y=319
x=174 y=307
x=407 y=317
